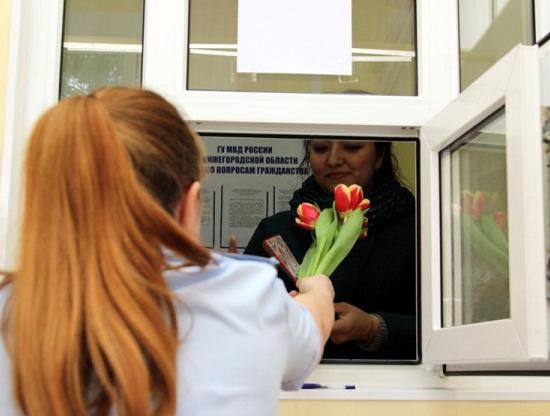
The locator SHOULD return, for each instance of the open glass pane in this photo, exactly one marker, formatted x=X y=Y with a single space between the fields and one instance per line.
x=479 y=261
x=489 y=29
x=102 y=45
x=383 y=42
x=483 y=220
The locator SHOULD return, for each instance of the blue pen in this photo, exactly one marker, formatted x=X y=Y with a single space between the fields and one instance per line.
x=311 y=386
x=308 y=386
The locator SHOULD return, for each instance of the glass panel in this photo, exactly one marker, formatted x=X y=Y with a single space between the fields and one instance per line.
x=488 y=29
x=383 y=41
x=102 y=45
x=253 y=178
x=480 y=272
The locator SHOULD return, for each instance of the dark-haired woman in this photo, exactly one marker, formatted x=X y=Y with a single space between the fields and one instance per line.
x=375 y=284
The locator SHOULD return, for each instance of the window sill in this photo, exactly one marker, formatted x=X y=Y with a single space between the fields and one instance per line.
x=423 y=383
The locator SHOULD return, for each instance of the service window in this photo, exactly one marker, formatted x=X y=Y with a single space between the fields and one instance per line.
x=253 y=187
x=479 y=123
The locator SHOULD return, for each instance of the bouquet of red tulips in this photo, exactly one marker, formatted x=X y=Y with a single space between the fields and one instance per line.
x=335 y=230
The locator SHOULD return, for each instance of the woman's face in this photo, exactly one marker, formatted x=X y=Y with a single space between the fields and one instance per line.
x=336 y=161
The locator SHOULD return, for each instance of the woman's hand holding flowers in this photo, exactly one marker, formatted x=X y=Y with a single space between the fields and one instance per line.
x=317 y=294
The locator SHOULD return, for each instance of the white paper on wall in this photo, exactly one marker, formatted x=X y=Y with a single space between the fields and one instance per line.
x=294 y=37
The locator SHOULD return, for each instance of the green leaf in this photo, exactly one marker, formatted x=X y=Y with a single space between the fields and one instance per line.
x=304 y=268
x=493 y=232
x=344 y=242
x=325 y=230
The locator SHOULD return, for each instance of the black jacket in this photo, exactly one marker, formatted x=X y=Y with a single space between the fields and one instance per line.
x=378 y=276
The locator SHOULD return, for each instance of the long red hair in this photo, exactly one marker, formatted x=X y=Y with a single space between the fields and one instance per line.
x=90 y=323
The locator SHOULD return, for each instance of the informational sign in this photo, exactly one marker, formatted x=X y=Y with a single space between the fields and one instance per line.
x=247 y=180
x=294 y=37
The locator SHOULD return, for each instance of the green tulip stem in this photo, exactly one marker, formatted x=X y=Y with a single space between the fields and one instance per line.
x=345 y=240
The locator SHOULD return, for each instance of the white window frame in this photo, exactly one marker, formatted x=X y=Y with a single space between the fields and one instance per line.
x=513 y=82
x=437 y=78
x=542 y=19
x=33 y=84
x=34 y=58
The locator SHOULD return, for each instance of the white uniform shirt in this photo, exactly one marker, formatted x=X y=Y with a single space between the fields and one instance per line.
x=242 y=339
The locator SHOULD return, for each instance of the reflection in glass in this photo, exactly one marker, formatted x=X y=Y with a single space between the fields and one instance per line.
x=84 y=72
x=480 y=267
x=102 y=45
x=383 y=41
x=489 y=29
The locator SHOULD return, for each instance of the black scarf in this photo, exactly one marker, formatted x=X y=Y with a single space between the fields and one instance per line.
x=389 y=200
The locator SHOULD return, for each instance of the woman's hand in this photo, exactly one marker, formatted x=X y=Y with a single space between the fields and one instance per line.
x=232 y=244
x=317 y=295
x=353 y=324
x=316 y=284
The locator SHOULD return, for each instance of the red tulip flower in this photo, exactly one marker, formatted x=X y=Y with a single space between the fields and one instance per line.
x=479 y=204
x=474 y=204
x=349 y=198
x=335 y=229
x=307 y=215
x=467 y=202
x=501 y=219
